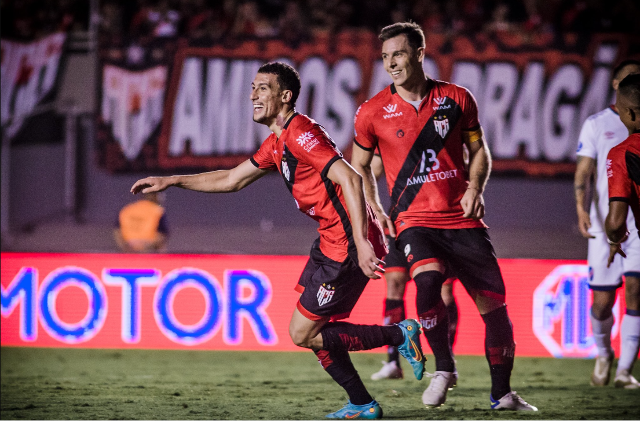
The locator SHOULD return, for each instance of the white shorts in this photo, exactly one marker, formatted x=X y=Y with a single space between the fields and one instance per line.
x=602 y=278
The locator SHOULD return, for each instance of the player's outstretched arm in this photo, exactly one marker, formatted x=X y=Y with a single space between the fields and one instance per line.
x=615 y=226
x=342 y=173
x=479 y=168
x=584 y=169
x=370 y=167
x=222 y=181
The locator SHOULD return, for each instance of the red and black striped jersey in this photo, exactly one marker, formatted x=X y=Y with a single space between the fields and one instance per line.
x=303 y=155
x=623 y=173
x=422 y=152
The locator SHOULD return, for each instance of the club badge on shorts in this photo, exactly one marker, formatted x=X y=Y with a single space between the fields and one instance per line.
x=325 y=294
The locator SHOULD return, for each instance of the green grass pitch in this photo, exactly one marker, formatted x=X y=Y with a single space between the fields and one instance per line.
x=139 y=384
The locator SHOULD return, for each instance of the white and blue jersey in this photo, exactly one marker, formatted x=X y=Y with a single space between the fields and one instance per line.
x=601 y=132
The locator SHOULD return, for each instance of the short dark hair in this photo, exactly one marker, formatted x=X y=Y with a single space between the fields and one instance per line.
x=288 y=77
x=622 y=65
x=629 y=87
x=412 y=30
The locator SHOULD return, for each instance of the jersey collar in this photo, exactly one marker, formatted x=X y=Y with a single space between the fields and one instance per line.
x=289 y=121
x=394 y=91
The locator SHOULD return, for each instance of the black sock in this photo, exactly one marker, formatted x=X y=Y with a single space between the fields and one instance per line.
x=499 y=349
x=433 y=317
x=452 y=314
x=351 y=337
x=394 y=312
x=339 y=366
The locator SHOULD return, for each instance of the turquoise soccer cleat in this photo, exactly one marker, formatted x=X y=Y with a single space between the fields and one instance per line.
x=370 y=411
x=411 y=349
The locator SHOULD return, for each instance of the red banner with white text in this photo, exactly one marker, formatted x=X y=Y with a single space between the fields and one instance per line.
x=225 y=302
x=187 y=107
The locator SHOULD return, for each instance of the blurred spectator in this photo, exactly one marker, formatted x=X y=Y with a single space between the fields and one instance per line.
x=111 y=20
x=195 y=14
x=500 y=19
x=333 y=16
x=27 y=20
x=251 y=22
x=293 y=26
x=208 y=22
x=622 y=16
x=156 y=18
x=23 y=27
x=374 y=14
x=142 y=226
x=319 y=15
x=429 y=14
x=579 y=16
x=163 y=20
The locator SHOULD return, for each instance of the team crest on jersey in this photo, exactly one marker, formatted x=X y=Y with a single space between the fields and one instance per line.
x=325 y=294
x=307 y=141
x=400 y=133
x=442 y=125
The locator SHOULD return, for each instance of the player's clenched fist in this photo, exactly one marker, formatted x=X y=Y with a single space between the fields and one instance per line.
x=151 y=184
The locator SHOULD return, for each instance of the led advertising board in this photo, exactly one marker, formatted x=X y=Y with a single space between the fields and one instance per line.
x=227 y=302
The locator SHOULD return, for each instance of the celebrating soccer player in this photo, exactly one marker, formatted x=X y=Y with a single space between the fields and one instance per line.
x=420 y=127
x=623 y=174
x=351 y=242
x=601 y=132
x=396 y=275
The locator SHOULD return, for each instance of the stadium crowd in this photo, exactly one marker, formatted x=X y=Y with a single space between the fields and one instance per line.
x=295 y=21
x=26 y=20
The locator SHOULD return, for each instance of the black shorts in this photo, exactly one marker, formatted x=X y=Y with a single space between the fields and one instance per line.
x=467 y=252
x=329 y=289
x=394 y=261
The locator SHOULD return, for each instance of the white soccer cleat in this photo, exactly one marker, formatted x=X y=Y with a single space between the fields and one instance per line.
x=602 y=371
x=625 y=380
x=436 y=394
x=390 y=370
x=511 y=401
x=455 y=380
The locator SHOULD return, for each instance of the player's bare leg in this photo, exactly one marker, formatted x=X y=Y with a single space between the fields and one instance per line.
x=304 y=332
x=629 y=335
x=601 y=325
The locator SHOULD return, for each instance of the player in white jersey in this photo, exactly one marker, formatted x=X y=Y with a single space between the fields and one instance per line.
x=600 y=132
